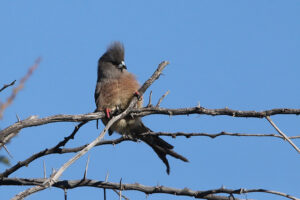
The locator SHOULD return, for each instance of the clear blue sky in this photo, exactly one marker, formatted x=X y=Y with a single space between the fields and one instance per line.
x=239 y=54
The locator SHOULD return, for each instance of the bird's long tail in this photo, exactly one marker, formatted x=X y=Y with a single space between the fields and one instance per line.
x=161 y=147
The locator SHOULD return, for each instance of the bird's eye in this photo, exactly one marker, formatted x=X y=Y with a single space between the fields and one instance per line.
x=115 y=63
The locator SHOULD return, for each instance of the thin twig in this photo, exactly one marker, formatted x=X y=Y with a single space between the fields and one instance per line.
x=7 y=85
x=161 y=98
x=282 y=134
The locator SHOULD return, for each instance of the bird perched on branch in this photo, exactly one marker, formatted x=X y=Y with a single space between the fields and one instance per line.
x=114 y=90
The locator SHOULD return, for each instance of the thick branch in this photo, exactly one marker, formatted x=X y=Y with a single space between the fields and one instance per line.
x=200 y=194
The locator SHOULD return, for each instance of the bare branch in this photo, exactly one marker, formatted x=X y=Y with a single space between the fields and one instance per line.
x=281 y=133
x=200 y=194
x=7 y=85
x=58 y=150
x=214 y=135
x=141 y=112
x=12 y=130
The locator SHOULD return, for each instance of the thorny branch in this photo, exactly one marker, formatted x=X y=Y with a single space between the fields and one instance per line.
x=214 y=135
x=5 y=133
x=200 y=194
x=58 y=150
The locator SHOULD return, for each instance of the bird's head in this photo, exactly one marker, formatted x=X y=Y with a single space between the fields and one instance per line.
x=114 y=56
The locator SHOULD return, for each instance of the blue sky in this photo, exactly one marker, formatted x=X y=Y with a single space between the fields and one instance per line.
x=239 y=54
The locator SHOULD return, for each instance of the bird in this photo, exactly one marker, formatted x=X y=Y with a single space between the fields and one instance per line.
x=115 y=87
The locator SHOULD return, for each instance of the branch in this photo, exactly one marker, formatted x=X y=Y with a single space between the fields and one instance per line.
x=5 y=133
x=200 y=194
x=141 y=112
x=57 y=150
x=7 y=85
x=49 y=182
x=214 y=135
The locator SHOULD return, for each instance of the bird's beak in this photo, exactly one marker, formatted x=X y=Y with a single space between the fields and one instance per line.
x=122 y=65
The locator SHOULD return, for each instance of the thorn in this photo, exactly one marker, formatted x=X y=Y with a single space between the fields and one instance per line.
x=66 y=193
x=86 y=167
x=150 y=99
x=120 y=192
x=6 y=149
x=44 y=166
x=104 y=190
x=106 y=177
x=18 y=118
x=53 y=172
x=198 y=105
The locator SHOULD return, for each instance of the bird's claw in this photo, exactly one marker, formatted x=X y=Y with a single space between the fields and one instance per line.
x=108 y=113
x=138 y=95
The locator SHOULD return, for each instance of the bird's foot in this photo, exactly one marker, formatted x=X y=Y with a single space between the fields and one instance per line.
x=108 y=113
x=138 y=95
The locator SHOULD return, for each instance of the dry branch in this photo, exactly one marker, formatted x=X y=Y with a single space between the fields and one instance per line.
x=7 y=132
x=200 y=194
x=58 y=150
x=213 y=112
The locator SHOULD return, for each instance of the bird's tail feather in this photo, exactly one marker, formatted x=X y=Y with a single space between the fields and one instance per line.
x=160 y=146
